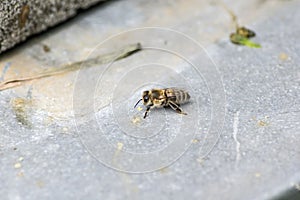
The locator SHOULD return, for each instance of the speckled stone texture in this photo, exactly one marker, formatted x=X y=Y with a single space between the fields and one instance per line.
x=43 y=152
x=21 y=18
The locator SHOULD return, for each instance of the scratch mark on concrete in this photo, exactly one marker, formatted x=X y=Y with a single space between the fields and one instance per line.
x=234 y=134
x=5 y=68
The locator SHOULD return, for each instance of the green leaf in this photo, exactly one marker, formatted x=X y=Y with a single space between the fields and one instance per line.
x=238 y=39
x=251 y=44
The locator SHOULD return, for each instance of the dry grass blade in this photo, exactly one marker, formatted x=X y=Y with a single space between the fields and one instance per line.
x=102 y=59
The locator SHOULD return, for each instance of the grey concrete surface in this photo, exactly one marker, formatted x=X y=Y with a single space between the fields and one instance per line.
x=73 y=136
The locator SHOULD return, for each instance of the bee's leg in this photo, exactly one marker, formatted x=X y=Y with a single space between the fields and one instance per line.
x=145 y=115
x=177 y=108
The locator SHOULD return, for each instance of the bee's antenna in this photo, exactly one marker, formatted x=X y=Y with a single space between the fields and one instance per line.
x=138 y=102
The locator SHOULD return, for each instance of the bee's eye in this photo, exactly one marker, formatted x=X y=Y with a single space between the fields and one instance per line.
x=146 y=98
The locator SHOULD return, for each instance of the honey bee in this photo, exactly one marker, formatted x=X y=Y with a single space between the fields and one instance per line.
x=241 y=35
x=171 y=97
x=245 y=32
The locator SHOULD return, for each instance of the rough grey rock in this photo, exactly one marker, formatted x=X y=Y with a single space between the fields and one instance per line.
x=21 y=18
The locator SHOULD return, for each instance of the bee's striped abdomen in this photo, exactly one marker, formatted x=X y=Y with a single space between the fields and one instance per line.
x=181 y=96
x=177 y=95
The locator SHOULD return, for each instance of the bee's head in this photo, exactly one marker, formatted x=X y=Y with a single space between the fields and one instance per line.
x=146 y=97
